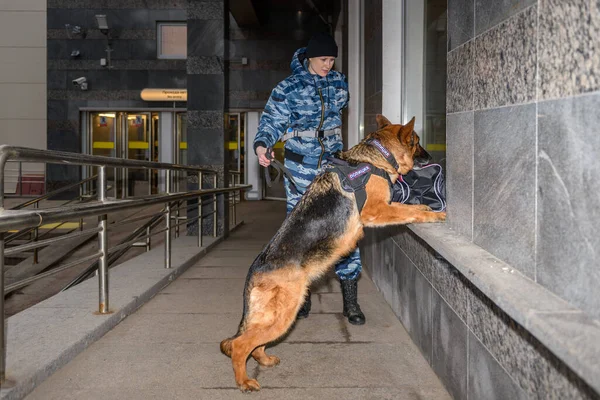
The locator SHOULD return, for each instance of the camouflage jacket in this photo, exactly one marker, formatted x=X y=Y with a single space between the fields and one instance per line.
x=303 y=101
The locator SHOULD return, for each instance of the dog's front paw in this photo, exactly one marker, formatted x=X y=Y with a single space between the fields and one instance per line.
x=422 y=207
x=441 y=216
x=249 y=385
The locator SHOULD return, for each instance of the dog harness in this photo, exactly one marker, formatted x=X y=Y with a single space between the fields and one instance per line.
x=354 y=178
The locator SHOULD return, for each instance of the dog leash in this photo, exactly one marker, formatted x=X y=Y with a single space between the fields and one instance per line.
x=280 y=169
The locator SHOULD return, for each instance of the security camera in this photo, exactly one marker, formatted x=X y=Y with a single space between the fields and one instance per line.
x=81 y=82
x=102 y=22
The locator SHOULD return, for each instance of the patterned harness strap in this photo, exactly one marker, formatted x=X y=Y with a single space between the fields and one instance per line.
x=354 y=178
x=384 y=151
x=280 y=169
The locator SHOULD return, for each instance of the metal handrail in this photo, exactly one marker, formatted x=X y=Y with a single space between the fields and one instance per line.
x=10 y=219
x=53 y=193
x=19 y=219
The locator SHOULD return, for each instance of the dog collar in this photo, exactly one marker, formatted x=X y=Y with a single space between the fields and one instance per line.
x=384 y=151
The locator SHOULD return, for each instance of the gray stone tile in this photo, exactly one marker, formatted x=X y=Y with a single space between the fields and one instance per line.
x=568 y=240
x=420 y=311
x=205 y=119
x=459 y=83
x=205 y=38
x=569 y=60
x=452 y=286
x=386 y=277
x=206 y=92
x=203 y=10
x=581 y=332
x=205 y=146
x=167 y=78
x=57 y=110
x=459 y=171
x=460 y=22
x=419 y=252
x=551 y=379
x=503 y=338
x=375 y=257
x=205 y=65
x=537 y=371
x=449 y=359
x=505 y=62
x=487 y=379
x=404 y=294
x=489 y=13
x=504 y=185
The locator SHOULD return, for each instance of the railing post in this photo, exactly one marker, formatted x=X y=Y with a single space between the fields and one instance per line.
x=80 y=199
x=177 y=206
x=215 y=208
x=20 y=178
x=103 y=307
x=3 y=323
x=168 y=222
x=199 y=210
x=35 y=236
x=148 y=239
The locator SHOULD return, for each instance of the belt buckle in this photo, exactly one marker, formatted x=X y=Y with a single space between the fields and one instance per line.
x=321 y=134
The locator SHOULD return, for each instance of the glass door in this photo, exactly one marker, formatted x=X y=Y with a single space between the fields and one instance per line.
x=103 y=132
x=137 y=144
x=181 y=137
x=131 y=136
x=232 y=140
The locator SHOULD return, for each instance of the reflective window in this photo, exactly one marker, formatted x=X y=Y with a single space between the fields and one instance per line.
x=171 y=38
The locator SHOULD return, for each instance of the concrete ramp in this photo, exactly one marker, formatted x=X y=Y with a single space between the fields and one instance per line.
x=169 y=348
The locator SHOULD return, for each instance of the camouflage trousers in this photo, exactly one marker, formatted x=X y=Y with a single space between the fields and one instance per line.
x=347 y=268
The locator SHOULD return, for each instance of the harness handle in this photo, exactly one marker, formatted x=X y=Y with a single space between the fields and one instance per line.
x=279 y=168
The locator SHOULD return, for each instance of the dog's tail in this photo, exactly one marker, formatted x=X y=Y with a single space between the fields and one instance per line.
x=226 y=346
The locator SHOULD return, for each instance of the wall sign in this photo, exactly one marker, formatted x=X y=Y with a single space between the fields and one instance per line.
x=164 y=94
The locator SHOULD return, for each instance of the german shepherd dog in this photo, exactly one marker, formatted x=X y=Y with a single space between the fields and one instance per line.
x=324 y=226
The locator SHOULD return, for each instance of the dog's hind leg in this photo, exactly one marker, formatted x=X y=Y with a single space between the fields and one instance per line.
x=263 y=358
x=273 y=307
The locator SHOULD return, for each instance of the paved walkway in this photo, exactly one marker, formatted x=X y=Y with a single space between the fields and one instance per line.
x=169 y=349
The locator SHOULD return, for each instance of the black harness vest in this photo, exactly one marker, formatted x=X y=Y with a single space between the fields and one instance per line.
x=354 y=178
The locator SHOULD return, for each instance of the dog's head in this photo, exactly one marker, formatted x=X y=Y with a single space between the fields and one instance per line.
x=403 y=142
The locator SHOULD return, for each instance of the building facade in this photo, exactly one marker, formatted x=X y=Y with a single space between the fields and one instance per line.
x=500 y=299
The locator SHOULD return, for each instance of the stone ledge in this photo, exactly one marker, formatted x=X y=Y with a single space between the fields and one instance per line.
x=45 y=337
x=572 y=335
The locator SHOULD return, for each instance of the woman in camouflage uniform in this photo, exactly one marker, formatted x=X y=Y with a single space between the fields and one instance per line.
x=304 y=111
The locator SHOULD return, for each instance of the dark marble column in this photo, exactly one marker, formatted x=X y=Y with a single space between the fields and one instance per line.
x=206 y=82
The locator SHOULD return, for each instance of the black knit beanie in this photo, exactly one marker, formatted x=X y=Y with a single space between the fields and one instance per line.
x=321 y=44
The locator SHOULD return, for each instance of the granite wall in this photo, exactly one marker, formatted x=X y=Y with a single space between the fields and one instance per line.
x=134 y=60
x=523 y=91
x=206 y=82
x=475 y=348
x=522 y=139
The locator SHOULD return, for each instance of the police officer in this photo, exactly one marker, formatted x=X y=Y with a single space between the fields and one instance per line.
x=304 y=111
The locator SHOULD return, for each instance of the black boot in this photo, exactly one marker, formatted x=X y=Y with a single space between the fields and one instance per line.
x=305 y=309
x=351 y=307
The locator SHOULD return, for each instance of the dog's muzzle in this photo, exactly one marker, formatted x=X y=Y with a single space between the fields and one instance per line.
x=421 y=158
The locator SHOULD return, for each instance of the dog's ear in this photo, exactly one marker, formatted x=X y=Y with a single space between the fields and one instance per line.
x=406 y=132
x=382 y=121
